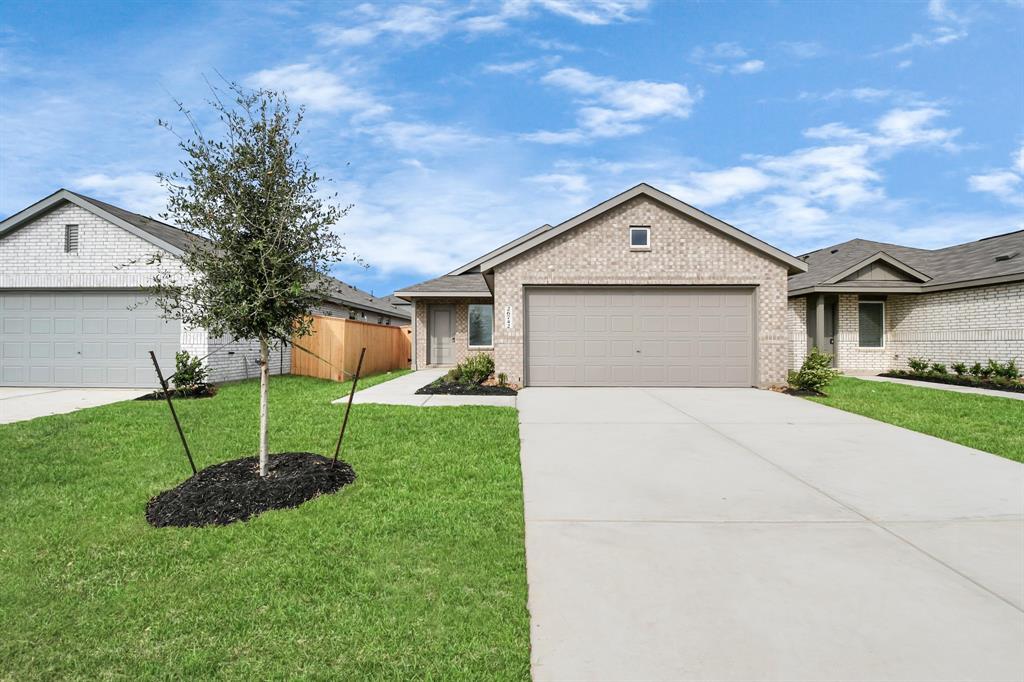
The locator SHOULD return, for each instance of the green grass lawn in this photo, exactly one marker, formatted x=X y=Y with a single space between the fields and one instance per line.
x=978 y=421
x=415 y=571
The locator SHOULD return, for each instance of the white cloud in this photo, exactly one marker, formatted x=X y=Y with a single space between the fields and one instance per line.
x=423 y=137
x=947 y=27
x=595 y=12
x=514 y=68
x=319 y=90
x=137 y=192
x=749 y=66
x=614 y=108
x=569 y=183
x=896 y=128
x=803 y=49
x=726 y=57
x=717 y=187
x=555 y=137
x=1005 y=184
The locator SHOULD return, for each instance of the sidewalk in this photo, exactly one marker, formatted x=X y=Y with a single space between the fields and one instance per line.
x=402 y=391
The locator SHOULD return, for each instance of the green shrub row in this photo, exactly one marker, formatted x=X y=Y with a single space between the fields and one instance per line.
x=993 y=369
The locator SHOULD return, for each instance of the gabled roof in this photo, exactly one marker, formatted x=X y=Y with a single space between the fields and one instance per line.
x=471 y=285
x=882 y=257
x=474 y=265
x=991 y=260
x=792 y=262
x=167 y=237
x=172 y=239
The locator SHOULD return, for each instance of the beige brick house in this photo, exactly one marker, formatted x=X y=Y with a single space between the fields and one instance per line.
x=874 y=305
x=73 y=306
x=640 y=290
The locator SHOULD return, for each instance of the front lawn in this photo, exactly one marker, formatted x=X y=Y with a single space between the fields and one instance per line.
x=978 y=421
x=415 y=571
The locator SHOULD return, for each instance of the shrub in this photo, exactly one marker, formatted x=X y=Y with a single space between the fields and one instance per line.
x=939 y=368
x=189 y=372
x=976 y=369
x=1006 y=371
x=918 y=365
x=816 y=372
x=960 y=368
x=502 y=379
x=472 y=370
x=986 y=370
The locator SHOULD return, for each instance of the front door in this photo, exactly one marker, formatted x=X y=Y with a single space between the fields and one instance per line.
x=442 y=335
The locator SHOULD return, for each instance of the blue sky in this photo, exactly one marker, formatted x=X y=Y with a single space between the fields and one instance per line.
x=453 y=127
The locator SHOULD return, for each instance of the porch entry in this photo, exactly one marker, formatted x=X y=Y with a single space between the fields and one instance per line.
x=822 y=322
x=441 y=346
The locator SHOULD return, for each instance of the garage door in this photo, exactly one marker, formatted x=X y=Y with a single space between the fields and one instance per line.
x=638 y=336
x=82 y=339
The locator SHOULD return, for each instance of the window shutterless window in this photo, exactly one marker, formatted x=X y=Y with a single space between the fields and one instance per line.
x=481 y=324
x=639 y=237
x=871 y=324
x=71 y=239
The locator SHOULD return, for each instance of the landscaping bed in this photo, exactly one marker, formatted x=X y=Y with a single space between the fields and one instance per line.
x=204 y=391
x=234 y=490
x=954 y=380
x=441 y=387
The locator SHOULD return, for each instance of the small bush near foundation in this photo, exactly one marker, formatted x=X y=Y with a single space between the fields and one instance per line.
x=471 y=371
x=939 y=368
x=816 y=372
x=918 y=365
x=960 y=368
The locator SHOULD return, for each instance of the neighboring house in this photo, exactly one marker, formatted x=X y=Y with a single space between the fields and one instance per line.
x=401 y=304
x=874 y=305
x=640 y=290
x=73 y=311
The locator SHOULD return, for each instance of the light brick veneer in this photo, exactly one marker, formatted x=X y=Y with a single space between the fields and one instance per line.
x=682 y=252
x=961 y=325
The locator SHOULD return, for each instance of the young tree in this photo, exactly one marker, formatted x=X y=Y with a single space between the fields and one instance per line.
x=267 y=233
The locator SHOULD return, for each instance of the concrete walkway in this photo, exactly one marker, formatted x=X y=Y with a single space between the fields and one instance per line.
x=20 y=404
x=402 y=391
x=735 y=534
x=946 y=387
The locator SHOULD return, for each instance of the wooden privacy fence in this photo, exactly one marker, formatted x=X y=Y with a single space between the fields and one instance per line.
x=339 y=341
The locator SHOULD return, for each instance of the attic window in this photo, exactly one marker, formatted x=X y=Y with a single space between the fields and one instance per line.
x=1006 y=256
x=71 y=239
x=639 y=238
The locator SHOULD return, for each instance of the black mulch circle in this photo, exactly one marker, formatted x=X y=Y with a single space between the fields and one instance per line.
x=455 y=388
x=204 y=391
x=803 y=392
x=234 y=491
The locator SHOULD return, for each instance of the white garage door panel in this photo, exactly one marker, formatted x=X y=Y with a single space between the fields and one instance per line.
x=82 y=339
x=639 y=337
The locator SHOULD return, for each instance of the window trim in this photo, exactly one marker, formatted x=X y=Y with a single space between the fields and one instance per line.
x=859 y=304
x=469 y=328
x=646 y=230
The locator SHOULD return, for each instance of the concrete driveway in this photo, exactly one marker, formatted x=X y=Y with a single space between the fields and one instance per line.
x=19 y=404
x=735 y=534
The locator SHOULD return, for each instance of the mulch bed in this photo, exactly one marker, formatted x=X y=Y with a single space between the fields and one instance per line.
x=799 y=392
x=234 y=491
x=455 y=388
x=954 y=380
x=204 y=391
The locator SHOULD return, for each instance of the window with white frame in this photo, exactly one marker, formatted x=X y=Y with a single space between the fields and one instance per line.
x=481 y=325
x=871 y=324
x=639 y=238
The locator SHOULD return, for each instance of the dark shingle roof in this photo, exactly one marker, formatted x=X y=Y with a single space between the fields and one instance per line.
x=346 y=294
x=949 y=265
x=469 y=283
x=175 y=236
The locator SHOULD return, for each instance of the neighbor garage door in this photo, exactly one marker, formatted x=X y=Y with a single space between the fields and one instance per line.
x=82 y=339
x=639 y=336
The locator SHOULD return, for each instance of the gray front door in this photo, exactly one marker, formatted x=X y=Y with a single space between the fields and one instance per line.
x=442 y=335
x=83 y=338
x=639 y=336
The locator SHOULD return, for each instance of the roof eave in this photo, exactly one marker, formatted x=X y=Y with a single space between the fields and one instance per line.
x=874 y=258
x=409 y=295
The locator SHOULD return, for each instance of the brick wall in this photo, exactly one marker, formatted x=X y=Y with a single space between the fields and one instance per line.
x=850 y=357
x=968 y=325
x=682 y=252
x=796 y=324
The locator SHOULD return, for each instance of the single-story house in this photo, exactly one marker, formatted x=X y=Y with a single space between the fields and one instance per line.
x=640 y=290
x=874 y=305
x=73 y=310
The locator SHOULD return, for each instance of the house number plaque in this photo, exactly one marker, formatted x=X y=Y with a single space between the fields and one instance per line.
x=508 y=317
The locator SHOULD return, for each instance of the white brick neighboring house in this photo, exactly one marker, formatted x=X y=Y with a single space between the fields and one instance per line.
x=73 y=311
x=640 y=290
x=875 y=305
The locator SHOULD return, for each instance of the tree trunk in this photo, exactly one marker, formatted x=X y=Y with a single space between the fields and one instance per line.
x=264 y=396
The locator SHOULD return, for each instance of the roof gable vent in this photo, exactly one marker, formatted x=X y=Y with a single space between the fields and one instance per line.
x=1007 y=256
